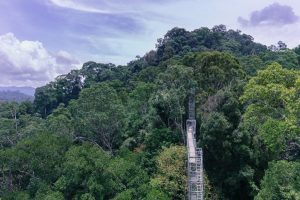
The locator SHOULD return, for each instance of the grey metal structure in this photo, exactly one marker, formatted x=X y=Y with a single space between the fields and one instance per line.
x=192 y=110
x=195 y=157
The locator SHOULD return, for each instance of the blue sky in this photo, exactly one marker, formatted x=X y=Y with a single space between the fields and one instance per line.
x=40 y=39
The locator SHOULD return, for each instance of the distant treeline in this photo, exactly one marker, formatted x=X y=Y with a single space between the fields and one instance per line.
x=14 y=96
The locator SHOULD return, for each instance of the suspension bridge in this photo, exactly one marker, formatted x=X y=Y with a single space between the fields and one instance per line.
x=195 y=157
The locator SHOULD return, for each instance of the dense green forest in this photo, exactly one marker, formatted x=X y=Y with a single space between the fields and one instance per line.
x=118 y=132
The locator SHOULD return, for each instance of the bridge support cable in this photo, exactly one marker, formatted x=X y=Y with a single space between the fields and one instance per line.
x=195 y=157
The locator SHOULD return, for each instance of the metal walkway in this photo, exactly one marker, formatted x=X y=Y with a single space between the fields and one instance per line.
x=195 y=157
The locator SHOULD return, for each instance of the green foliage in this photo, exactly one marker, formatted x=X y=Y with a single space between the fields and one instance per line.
x=33 y=162
x=272 y=98
x=62 y=90
x=160 y=138
x=30 y=125
x=60 y=121
x=251 y=64
x=297 y=51
x=281 y=182
x=155 y=194
x=95 y=73
x=171 y=172
x=210 y=192
x=54 y=195
x=126 y=195
x=138 y=118
x=84 y=173
x=127 y=174
x=178 y=41
x=174 y=85
x=286 y=58
x=275 y=133
x=16 y=196
x=99 y=116
x=117 y=132
x=214 y=70
x=223 y=150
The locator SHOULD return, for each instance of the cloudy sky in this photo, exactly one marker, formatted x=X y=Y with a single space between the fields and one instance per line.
x=40 y=39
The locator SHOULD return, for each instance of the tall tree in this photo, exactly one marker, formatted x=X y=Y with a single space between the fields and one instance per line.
x=174 y=86
x=273 y=103
x=99 y=116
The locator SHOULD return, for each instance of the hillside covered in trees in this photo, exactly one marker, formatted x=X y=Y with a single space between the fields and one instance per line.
x=17 y=94
x=14 y=96
x=118 y=132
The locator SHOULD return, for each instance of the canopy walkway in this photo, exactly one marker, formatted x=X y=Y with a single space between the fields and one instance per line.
x=195 y=157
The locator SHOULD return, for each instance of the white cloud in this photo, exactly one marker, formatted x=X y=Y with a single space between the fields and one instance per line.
x=78 y=6
x=28 y=63
x=266 y=35
x=114 y=6
x=87 y=6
